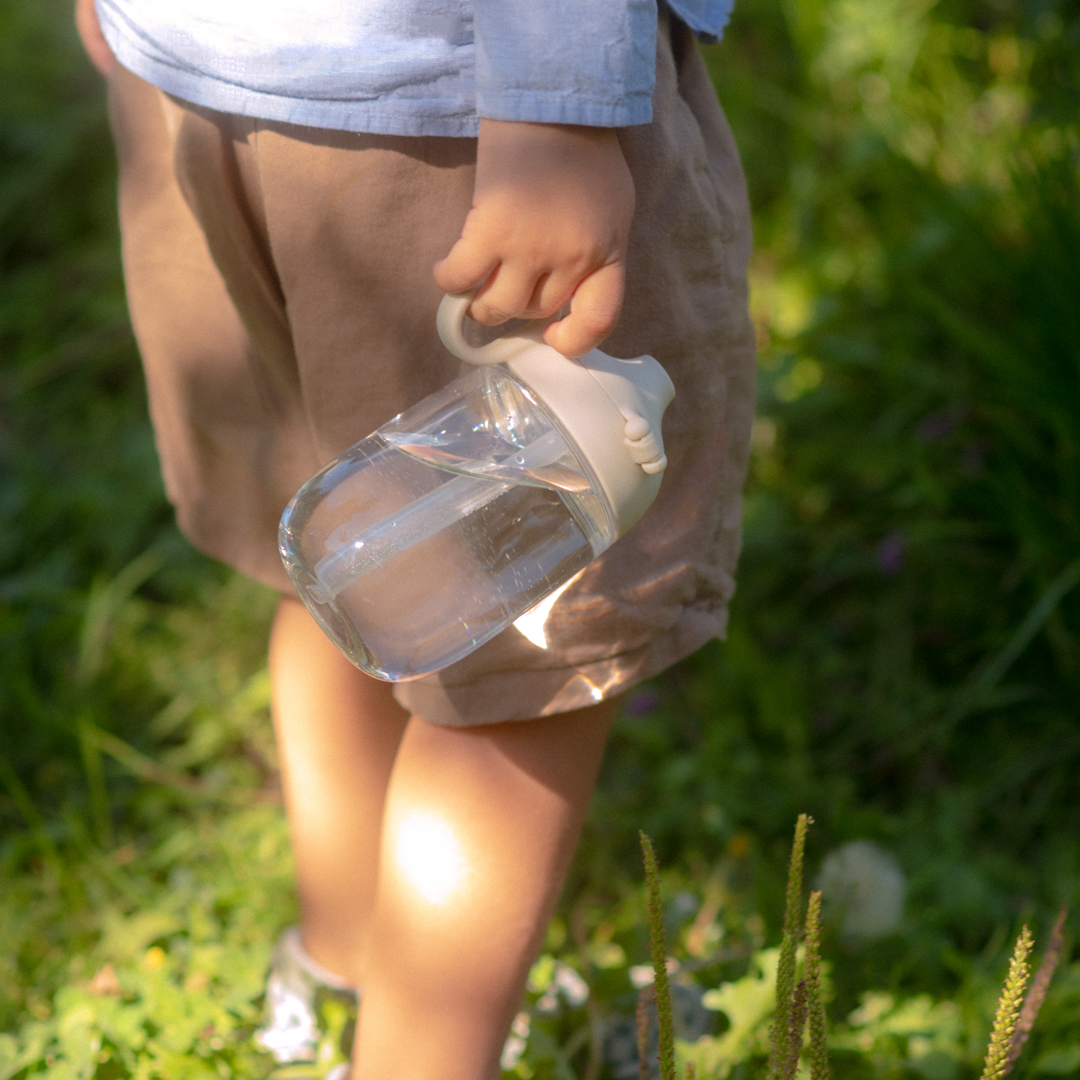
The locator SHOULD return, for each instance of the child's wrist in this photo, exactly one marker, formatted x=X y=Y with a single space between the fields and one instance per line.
x=550 y=221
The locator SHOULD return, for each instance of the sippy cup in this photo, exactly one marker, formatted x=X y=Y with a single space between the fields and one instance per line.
x=427 y=538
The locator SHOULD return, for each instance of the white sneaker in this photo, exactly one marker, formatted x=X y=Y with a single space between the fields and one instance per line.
x=311 y=1014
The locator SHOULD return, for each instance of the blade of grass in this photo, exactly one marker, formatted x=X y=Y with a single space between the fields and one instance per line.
x=146 y=768
x=102 y=605
x=95 y=348
x=100 y=810
x=106 y=599
x=986 y=677
x=789 y=943
x=22 y=799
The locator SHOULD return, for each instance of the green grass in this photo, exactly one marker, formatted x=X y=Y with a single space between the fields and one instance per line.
x=903 y=660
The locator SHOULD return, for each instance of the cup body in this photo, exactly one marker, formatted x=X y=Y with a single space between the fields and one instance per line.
x=433 y=534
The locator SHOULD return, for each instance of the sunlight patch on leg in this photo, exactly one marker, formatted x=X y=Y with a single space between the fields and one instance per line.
x=430 y=856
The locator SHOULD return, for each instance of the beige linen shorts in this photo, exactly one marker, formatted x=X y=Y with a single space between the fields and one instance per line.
x=280 y=286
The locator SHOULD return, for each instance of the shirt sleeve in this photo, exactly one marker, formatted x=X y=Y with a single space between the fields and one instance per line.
x=707 y=18
x=589 y=62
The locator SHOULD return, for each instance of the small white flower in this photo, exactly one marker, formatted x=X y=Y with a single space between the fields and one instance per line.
x=549 y=1003
x=574 y=988
x=513 y=1048
x=642 y=975
x=515 y=1045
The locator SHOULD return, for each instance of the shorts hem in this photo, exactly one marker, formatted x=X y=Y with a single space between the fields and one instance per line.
x=503 y=696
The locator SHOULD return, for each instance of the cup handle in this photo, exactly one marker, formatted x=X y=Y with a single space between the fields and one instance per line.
x=451 y=316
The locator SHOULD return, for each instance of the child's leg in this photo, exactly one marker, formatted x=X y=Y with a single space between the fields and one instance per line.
x=480 y=827
x=337 y=733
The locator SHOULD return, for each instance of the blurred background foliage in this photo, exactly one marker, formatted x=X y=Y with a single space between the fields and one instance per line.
x=903 y=660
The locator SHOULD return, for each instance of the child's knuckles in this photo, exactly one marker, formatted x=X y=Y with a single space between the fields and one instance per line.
x=585 y=258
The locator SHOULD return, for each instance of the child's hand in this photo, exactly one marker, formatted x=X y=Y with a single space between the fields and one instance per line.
x=93 y=41
x=549 y=223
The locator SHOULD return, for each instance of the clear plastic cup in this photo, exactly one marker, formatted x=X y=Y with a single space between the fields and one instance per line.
x=433 y=534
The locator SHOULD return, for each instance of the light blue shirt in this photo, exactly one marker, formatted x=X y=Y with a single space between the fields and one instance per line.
x=404 y=67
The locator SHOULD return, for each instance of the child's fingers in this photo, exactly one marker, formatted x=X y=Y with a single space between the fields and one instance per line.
x=552 y=292
x=466 y=266
x=506 y=294
x=594 y=312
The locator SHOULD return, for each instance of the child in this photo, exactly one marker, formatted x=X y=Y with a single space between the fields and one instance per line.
x=286 y=185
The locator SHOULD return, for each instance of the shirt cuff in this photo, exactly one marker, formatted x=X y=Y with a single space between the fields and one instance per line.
x=590 y=62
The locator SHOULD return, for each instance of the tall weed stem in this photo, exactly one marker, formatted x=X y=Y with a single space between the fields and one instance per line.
x=1037 y=994
x=658 y=948
x=819 y=1051
x=646 y=1000
x=1008 y=1010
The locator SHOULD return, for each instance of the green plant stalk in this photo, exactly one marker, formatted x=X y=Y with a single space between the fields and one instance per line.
x=646 y=998
x=658 y=948
x=790 y=1065
x=100 y=811
x=104 y=602
x=984 y=680
x=1008 y=1010
x=22 y=799
x=1035 y=997
x=815 y=1001
x=789 y=944
x=595 y=1026
x=145 y=768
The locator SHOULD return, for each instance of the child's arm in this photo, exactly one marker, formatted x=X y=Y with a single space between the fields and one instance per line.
x=549 y=223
